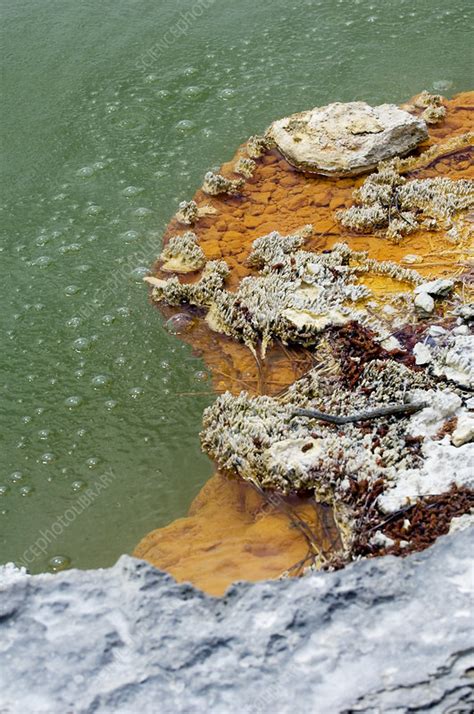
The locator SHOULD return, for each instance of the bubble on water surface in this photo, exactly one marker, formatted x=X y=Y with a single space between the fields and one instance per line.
x=92 y=462
x=201 y=376
x=59 y=562
x=93 y=210
x=73 y=401
x=78 y=485
x=443 y=85
x=42 y=262
x=129 y=236
x=71 y=290
x=123 y=311
x=4 y=489
x=110 y=404
x=73 y=321
x=142 y=212
x=185 y=125
x=226 y=93
x=100 y=380
x=81 y=344
x=179 y=324
x=193 y=91
x=48 y=458
x=26 y=490
x=85 y=171
x=43 y=434
x=108 y=319
x=16 y=476
x=139 y=273
x=132 y=191
x=136 y=392
x=70 y=248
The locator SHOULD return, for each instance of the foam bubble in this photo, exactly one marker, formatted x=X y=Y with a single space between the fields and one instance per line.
x=59 y=562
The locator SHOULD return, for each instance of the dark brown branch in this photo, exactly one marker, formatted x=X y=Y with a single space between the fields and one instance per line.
x=389 y=410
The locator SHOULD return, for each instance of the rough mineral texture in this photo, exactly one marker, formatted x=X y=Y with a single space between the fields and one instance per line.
x=388 y=635
x=216 y=543
x=345 y=139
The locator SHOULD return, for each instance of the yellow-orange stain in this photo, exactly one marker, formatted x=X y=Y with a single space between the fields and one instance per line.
x=233 y=533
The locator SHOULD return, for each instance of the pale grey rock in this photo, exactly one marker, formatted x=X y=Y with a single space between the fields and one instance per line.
x=422 y=353
x=462 y=522
x=466 y=312
x=456 y=360
x=464 y=431
x=439 y=287
x=436 y=331
x=382 y=636
x=424 y=302
x=346 y=139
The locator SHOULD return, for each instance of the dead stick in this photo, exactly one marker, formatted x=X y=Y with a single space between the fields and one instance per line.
x=389 y=410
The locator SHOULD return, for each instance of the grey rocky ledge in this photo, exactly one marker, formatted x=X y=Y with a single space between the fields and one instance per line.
x=383 y=635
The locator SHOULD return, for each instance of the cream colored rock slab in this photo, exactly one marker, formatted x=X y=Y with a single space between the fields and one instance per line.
x=344 y=139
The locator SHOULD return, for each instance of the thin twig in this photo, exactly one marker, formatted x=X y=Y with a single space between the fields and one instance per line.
x=389 y=410
x=297 y=522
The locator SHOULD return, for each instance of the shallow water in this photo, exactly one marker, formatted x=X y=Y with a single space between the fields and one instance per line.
x=112 y=113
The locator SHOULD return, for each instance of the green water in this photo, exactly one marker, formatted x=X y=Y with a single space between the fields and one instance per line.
x=111 y=113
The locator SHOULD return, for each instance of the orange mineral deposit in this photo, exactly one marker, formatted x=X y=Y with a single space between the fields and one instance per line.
x=232 y=532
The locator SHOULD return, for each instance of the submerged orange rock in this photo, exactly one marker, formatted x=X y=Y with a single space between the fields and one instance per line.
x=231 y=533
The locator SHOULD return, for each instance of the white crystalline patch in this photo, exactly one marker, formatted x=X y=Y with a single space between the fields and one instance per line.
x=307 y=318
x=380 y=540
x=309 y=293
x=435 y=287
x=436 y=331
x=11 y=573
x=457 y=364
x=441 y=406
x=462 y=522
x=181 y=264
x=214 y=320
x=390 y=343
x=314 y=269
x=424 y=301
x=422 y=353
x=444 y=465
x=412 y=258
x=290 y=453
x=464 y=431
